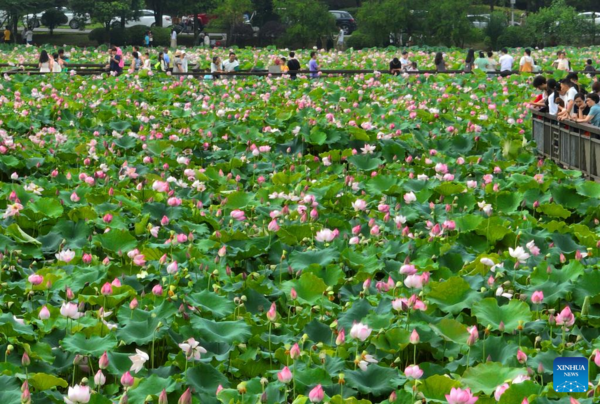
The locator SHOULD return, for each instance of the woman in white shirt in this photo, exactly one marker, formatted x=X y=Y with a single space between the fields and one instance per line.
x=562 y=63
x=147 y=65
x=173 y=38
x=216 y=67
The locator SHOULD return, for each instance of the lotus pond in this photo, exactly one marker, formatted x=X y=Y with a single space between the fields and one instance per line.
x=370 y=239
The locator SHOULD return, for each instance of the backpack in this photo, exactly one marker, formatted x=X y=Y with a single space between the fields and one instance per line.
x=527 y=67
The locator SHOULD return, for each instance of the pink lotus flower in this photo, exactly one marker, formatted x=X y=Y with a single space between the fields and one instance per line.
x=273 y=226
x=597 y=358
x=127 y=380
x=12 y=210
x=460 y=396
x=35 y=279
x=65 y=256
x=99 y=378
x=316 y=395
x=78 y=395
x=192 y=349
x=295 y=351
x=172 y=268
x=103 y=362
x=75 y=197
x=537 y=297
x=238 y=215
x=186 y=397
x=285 y=375
x=106 y=289
x=408 y=269
x=565 y=317
x=222 y=251
x=414 y=337
x=272 y=313
x=157 y=290
x=414 y=281
x=164 y=399
x=44 y=313
x=139 y=260
x=160 y=186
x=413 y=372
x=174 y=201
x=500 y=390
x=87 y=258
x=473 y=335
x=70 y=310
x=409 y=198
x=360 y=331
x=107 y=218
x=359 y=205
x=341 y=337
x=325 y=235
x=521 y=356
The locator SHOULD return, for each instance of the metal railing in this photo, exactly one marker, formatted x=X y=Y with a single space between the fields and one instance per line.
x=570 y=144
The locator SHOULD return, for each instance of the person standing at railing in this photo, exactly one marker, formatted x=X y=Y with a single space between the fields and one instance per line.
x=526 y=63
x=440 y=63
x=492 y=63
x=562 y=63
x=395 y=67
x=293 y=65
x=552 y=96
x=593 y=117
x=567 y=94
x=45 y=63
x=216 y=67
x=481 y=62
x=313 y=66
x=589 y=68
x=574 y=78
x=469 y=60
x=506 y=63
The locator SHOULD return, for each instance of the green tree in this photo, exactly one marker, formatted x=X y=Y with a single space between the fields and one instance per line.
x=101 y=11
x=558 y=24
x=15 y=9
x=307 y=20
x=379 y=18
x=448 y=22
x=230 y=13
x=52 y=18
x=496 y=27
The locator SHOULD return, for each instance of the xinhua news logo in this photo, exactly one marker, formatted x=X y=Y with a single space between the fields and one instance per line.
x=570 y=375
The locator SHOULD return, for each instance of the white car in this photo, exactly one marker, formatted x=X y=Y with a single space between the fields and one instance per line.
x=479 y=21
x=588 y=16
x=74 y=21
x=146 y=17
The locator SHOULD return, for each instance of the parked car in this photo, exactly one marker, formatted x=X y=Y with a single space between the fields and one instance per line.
x=345 y=21
x=204 y=18
x=589 y=16
x=73 y=20
x=480 y=21
x=146 y=17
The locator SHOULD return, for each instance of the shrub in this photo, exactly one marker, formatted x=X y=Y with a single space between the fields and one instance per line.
x=514 y=37
x=161 y=36
x=52 y=18
x=496 y=27
x=270 y=31
x=358 y=40
x=99 y=35
x=136 y=34
x=119 y=37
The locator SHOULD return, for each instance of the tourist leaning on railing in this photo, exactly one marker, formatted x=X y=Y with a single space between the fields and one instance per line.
x=593 y=117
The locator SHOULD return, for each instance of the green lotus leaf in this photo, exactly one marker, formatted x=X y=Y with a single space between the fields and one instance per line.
x=95 y=345
x=453 y=295
x=485 y=377
x=488 y=312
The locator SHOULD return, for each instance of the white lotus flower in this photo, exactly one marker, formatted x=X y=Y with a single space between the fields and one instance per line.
x=519 y=254
x=138 y=361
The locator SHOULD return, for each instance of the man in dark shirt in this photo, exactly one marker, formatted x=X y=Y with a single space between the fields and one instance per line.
x=293 y=65
x=395 y=67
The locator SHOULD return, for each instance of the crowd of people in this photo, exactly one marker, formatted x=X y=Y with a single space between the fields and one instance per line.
x=568 y=100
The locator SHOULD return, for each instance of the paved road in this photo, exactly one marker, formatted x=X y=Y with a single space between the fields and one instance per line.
x=43 y=30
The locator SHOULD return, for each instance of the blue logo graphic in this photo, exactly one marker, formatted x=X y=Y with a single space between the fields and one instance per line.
x=570 y=375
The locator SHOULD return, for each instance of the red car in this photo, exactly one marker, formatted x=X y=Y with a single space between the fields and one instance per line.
x=204 y=18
